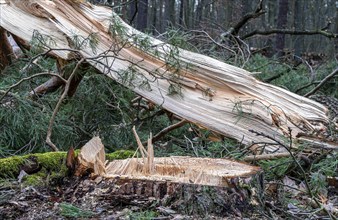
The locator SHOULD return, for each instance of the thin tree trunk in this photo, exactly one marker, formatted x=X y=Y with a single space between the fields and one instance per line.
x=281 y=24
x=169 y=13
x=181 y=15
x=132 y=12
x=299 y=25
x=198 y=14
x=142 y=15
x=336 y=31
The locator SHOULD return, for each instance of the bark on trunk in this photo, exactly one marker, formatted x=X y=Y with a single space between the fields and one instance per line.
x=281 y=24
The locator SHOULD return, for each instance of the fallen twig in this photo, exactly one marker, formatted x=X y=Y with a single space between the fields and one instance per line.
x=265 y=157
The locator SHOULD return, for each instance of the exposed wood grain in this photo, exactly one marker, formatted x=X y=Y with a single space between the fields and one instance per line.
x=215 y=95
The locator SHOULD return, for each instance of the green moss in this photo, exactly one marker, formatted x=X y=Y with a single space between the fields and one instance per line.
x=37 y=179
x=52 y=161
x=120 y=154
x=10 y=166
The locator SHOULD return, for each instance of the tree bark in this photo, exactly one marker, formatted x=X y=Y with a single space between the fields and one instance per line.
x=142 y=16
x=6 y=51
x=336 y=31
x=281 y=24
x=170 y=15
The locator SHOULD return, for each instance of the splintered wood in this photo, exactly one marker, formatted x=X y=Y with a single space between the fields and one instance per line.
x=203 y=171
x=214 y=95
x=92 y=157
x=175 y=182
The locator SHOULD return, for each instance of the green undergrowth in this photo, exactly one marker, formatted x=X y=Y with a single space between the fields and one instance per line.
x=300 y=79
x=142 y=215
x=71 y=211
x=119 y=154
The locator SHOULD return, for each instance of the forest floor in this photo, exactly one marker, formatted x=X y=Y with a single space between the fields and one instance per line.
x=85 y=199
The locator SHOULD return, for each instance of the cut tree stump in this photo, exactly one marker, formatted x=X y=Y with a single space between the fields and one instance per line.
x=220 y=97
x=195 y=186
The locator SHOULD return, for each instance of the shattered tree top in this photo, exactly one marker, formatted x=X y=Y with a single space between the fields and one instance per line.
x=215 y=95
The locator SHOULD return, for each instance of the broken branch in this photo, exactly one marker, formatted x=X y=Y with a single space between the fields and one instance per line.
x=56 y=109
x=290 y=32
x=328 y=77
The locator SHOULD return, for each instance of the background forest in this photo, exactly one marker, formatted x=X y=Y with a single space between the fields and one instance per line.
x=289 y=43
x=216 y=17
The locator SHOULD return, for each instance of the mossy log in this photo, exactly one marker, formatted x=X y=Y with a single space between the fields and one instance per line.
x=43 y=164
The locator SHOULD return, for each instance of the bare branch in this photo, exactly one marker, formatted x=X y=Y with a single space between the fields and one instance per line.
x=290 y=32
x=265 y=157
x=328 y=77
x=56 y=109
x=29 y=78
x=167 y=130
x=252 y=15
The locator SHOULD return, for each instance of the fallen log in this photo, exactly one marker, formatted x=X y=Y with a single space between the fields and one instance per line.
x=200 y=89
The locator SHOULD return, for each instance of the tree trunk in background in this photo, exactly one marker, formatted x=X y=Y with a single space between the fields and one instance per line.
x=138 y=14
x=215 y=15
x=221 y=10
x=281 y=24
x=153 y=16
x=187 y=18
x=181 y=15
x=237 y=11
x=228 y=14
x=142 y=15
x=271 y=23
x=198 y=14
x=159 y=20
x=336 y=31
x=124 y=10
x=132 y=12
x=298 y=25
x=169 y=12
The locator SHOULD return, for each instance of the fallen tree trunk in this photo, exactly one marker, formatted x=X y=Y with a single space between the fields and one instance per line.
x=200 y=89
